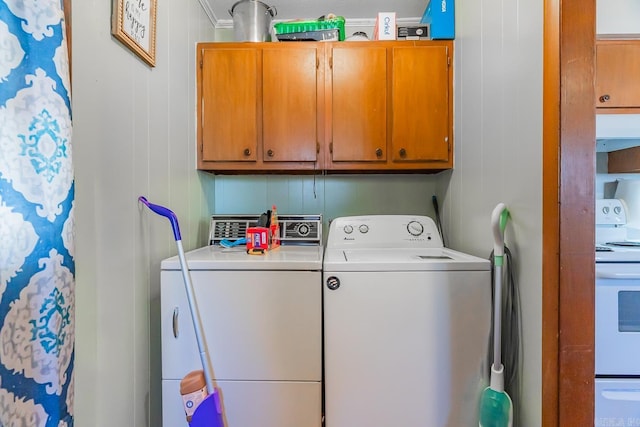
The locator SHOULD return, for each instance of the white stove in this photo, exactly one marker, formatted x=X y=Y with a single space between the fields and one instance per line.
x=617 y=315
x=615 y=241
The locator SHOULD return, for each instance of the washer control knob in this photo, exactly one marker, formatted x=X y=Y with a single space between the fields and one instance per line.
x=333 y=283
x=364 y=228
x=348 y=229
x=304 y=229
x=617 y=210
x=415 y=228
x=605 y=210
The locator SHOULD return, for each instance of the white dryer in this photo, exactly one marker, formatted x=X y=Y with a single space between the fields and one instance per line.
x=406 y=325
x=262 y=320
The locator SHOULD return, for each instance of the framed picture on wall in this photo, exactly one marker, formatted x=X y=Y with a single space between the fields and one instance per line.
x=134 y=24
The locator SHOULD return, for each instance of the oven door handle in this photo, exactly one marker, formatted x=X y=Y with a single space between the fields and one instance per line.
x=624 y=395
x=617 y=275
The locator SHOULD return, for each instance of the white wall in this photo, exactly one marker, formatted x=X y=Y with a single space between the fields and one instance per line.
x=332 y=196
x=618 y=17
x=498 y=158
x=134 y=134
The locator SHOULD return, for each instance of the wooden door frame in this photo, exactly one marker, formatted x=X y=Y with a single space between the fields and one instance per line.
x=66 y=4
x=568 y=213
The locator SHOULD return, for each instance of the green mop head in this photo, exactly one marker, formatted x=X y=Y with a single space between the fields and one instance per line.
x=495 y=409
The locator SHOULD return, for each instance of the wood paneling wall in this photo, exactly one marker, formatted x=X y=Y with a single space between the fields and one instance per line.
x=133 y=134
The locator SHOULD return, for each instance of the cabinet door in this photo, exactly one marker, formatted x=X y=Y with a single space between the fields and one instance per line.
x=618 y=73
x=229 y=104
x=420 y=104
x=358 y=103
x=290 y=104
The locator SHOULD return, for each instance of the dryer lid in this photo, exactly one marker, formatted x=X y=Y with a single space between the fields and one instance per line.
x=284 y=258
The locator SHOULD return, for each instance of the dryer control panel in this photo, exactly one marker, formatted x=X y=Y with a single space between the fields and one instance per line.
x=294 y=229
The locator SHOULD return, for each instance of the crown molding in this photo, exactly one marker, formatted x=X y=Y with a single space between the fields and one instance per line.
x=207 y=10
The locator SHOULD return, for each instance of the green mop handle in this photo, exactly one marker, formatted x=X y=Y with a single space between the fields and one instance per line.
x=499 y=218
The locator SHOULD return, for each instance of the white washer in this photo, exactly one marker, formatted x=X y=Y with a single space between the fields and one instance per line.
x=406 y=325
x=262 y=320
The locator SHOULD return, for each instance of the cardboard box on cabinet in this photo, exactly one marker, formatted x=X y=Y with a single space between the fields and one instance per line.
x=385 y=28
x=440 y=15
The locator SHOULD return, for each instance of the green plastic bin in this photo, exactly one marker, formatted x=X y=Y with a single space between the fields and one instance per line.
x=311 y=25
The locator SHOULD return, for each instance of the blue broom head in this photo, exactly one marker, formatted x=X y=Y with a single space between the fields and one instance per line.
x=209 y=412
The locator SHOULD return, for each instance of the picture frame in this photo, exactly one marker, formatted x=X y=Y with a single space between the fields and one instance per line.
x=134 y=24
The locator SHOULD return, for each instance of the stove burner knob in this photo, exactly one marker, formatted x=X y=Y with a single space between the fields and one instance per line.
x=333 y=283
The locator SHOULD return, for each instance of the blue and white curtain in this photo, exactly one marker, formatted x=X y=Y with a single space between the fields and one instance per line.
x=36 y=217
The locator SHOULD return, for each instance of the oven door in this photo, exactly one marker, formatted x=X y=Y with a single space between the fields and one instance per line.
x=617 y=317
x=617 y=402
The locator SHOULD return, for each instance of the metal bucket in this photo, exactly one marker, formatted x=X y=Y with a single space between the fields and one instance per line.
x=252 y=20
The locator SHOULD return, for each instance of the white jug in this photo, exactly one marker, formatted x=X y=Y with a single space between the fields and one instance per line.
x=629 y=191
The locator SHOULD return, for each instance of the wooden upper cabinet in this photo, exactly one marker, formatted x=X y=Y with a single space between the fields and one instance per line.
x=259 y=106
x=290 y=103
x=618 y=73
x=358 y=116
x=335 y=106
x=420 y=113
x=228 y=103
x=391 y=106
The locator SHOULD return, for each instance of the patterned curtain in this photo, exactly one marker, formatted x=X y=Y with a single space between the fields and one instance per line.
x=36 y=217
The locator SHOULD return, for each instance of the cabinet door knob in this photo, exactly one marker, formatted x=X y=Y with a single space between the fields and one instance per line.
x=403 y=152
x=270 y=153
x=604 y=98
x=379 y=152
x=247 y=152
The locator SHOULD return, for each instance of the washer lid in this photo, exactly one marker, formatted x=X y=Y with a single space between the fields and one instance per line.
x=298 y=258
x=402 y=259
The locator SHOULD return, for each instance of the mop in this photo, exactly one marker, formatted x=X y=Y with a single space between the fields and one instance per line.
x=209 y=411
x=496 y=407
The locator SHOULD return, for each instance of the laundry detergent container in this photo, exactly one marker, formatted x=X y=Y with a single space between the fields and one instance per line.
x=252 y=20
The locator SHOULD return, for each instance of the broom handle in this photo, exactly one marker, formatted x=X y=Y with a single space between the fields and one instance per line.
x=195 y=316
x=193 y=305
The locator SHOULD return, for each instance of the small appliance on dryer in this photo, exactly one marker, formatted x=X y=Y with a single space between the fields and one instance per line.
x=262 y=319
x=406 y=325
x=617 y=317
